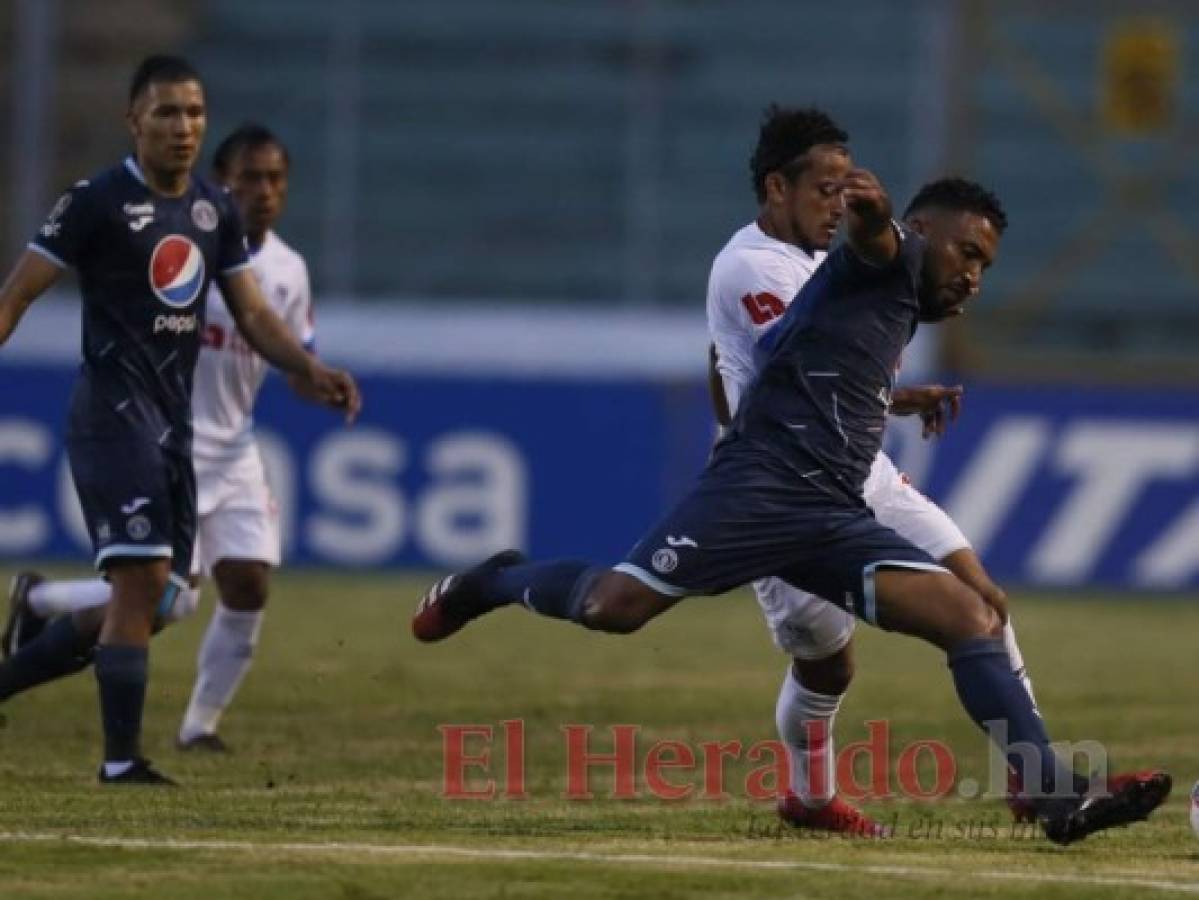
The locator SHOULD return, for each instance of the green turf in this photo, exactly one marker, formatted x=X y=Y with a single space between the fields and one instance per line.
x=336 y=742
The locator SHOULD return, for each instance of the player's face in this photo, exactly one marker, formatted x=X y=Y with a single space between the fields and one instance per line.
x=167 y=121
x=258 y=178
x=961 y=247
x=807 y=207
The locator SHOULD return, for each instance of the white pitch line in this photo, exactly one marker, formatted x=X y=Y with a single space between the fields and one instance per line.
x=434 y=850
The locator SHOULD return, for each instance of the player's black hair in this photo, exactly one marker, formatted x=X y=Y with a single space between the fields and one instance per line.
x=247 y=136
x=960 y=194
x=786 y=135
x=160 y=69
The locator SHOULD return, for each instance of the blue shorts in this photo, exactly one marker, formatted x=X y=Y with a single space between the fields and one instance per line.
x=138 y=500
x=749 y=518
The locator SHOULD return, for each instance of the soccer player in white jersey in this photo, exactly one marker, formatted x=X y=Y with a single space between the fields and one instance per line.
x=797 y=168
x=238 y=539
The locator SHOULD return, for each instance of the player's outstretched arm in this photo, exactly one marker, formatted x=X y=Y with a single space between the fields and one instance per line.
x=871 y=233
x=936 y=405
x=31 y=277
x=273 y=340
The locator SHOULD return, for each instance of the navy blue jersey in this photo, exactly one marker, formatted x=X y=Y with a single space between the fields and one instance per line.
x=820 y=401
x=145 y=262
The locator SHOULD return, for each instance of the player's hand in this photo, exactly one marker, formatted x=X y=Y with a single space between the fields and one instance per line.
x=333 y=388
x=936 y=405
x=865 y=196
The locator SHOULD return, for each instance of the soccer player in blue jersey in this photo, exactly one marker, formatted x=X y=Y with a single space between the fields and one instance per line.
x=782 y=494
x=146 y=237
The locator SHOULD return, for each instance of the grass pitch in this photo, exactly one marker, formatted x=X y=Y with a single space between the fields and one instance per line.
x=335 y=786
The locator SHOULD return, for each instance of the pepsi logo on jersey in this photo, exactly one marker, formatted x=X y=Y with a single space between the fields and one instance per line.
x=176 y=271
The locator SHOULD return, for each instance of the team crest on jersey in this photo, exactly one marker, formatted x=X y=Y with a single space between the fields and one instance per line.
x=664 y=561
x=204 y=215
x=176 y=271
x=138 y=528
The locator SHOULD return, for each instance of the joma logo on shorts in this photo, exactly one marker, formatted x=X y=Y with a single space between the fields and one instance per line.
x=175 y=324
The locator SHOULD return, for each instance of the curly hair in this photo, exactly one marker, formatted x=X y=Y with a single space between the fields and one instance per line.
x=785 y=136
x=960 y=194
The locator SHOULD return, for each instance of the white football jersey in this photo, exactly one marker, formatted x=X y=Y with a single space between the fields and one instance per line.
x=229 y=373
x=753 y=280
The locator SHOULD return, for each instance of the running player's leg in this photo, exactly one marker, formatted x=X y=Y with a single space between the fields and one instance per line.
x=727 y=532
x=123 y=492
x=899 y=506
x=818 y=637
x=895 y=585
x=239 y=543
x=227 y=650
x=147 y=586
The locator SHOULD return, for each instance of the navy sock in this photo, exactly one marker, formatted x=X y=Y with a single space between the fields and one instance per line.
x=554 y=589
x=122 y=672
x=59 y=650
x=991 y=693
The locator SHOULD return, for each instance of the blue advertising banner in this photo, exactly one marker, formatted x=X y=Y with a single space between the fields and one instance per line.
x=437 y=471
x=1054 y=487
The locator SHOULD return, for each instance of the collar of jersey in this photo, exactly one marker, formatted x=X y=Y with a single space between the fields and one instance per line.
x=266 y=239
x=136 y=171
x=815 y=258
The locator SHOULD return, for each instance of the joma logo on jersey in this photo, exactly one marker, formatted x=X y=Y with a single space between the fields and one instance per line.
x=176 y=271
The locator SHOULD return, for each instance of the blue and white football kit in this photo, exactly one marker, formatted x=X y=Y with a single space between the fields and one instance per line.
x=145 y=262
x=782 y=495
x=752 y=282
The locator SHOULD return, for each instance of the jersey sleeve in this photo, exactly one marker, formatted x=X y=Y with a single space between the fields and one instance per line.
x=747 y=294
x=232 y=255
x=299 y=315
x=910 y=257
x=64 y=236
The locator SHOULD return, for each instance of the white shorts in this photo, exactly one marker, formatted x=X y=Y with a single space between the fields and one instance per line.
x=805 y=626
x=238 y=515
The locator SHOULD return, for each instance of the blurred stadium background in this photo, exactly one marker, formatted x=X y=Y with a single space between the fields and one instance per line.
x=509 y=210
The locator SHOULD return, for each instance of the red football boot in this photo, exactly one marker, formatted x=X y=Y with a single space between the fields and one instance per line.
x=456 y=599
x=836 y=815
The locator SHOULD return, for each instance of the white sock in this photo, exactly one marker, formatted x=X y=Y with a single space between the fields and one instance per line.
x=120 y=767
x=802 y=715
x=55 y=598
x=1017 y=661
x=224 y=659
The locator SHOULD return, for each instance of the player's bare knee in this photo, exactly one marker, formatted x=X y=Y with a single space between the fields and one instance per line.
x=996 y=598
x=88 y=621
x=979 y=618
x=137 y=584
x=828 y=675
x=617 y=604
x=243 y=585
